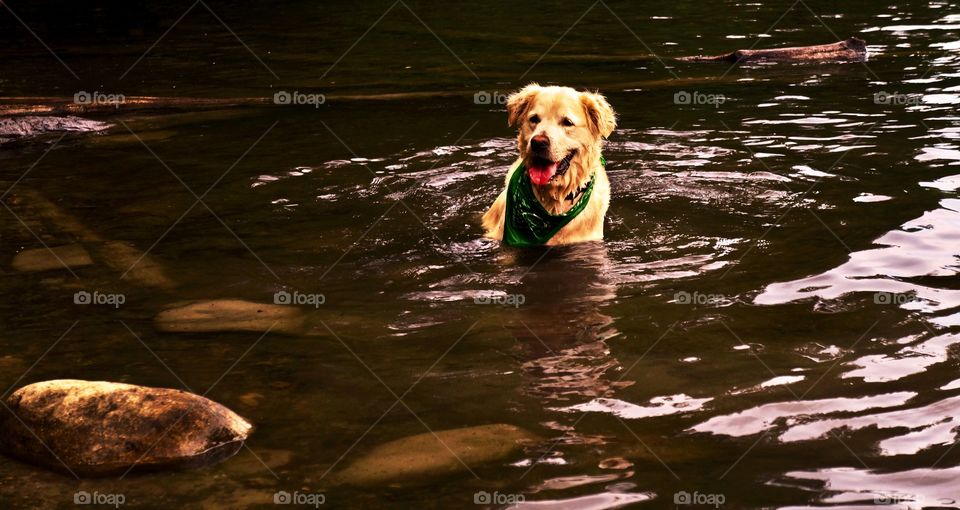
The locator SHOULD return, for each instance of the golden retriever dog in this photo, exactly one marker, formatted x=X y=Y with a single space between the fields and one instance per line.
x=557 y=192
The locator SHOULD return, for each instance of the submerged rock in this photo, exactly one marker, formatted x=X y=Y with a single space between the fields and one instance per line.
x=97 y=428
x=432 y=455
x=231 y=315
x=132 y=264
x=45 y=259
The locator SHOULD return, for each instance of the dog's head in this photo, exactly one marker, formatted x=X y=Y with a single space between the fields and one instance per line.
x=557 y=126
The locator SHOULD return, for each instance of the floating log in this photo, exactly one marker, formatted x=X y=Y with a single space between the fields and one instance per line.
x=68 y=105
x=851 y=50
x=15 y=128
x=22 y=106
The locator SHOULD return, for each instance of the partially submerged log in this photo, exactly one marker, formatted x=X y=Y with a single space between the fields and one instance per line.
x=16 y=128
x=97 y=428
x=851 y=50
x=67 y=105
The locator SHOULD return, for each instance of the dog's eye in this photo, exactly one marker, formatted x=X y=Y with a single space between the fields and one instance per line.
x=535 y=119
x=566 y=122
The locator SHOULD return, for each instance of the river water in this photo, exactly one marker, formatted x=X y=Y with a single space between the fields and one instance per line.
x=770 y=321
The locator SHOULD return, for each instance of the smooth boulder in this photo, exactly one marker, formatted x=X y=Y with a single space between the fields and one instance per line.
x=97 y=428
x=434 y=454
x=231 y=315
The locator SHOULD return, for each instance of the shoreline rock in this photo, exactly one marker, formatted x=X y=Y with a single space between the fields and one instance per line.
x=98 y=428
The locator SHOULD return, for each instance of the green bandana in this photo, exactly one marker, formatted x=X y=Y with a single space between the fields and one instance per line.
x=527 y=223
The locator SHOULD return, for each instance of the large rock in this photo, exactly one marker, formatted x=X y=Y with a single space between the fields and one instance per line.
x=231 y=315
x=96 y=428
x=430 y=455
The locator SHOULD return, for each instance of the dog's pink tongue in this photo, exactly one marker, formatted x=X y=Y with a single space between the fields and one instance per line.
x=540 y=174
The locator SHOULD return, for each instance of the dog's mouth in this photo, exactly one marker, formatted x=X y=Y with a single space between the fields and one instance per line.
x=541 y=170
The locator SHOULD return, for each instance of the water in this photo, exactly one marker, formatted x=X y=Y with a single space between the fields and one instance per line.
x=771 y=318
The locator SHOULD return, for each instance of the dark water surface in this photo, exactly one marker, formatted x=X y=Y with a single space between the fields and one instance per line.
x=771 y=319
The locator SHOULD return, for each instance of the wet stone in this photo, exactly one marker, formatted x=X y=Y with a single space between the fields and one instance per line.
x=97 y=428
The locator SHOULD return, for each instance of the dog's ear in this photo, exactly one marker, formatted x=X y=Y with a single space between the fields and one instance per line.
x=519 y=102
x=600 y=115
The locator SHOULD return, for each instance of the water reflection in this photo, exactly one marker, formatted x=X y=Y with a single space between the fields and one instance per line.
x=922 y=248
x=910 y=489
x=766 y=417
x=592 y=502
x=563 y=327
x=915 y=357
x=926 y=426
x=658 y=406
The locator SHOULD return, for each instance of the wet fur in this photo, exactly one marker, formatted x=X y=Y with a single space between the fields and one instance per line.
x=594 y=121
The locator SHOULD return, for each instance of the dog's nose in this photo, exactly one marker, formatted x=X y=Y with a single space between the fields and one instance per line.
x=539 y=143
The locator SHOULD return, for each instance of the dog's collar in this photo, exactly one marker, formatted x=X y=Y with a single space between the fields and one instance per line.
x=526 y=222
